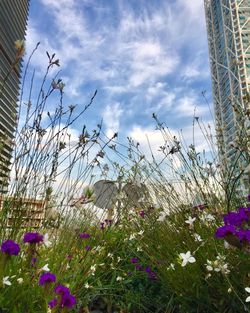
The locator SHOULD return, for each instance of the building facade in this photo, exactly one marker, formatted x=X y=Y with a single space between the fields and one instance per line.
x=13 y=20
x=228 y=29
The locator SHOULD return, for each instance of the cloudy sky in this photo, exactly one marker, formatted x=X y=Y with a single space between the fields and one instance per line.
x=142 y=57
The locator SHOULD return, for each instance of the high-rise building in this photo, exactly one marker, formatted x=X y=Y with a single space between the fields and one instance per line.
x=13 y=20
x=228 y=29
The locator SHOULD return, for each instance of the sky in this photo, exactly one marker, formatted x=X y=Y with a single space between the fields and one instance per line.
x=141 y=56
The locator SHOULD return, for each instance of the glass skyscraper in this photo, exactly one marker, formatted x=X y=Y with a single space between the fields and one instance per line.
x=13 y=20
x=228 y=28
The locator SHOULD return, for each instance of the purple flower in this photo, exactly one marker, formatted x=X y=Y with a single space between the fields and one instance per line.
x=61 y=290
x=68 y=301
x=108 y=222
x=84 y=235
x=10 y=247
x=32 y=238
x=152 y=276
x=87 y=248
x=139 y=267
x=134 y=260
x=237 y=218
x=244 y=235
x=148 y=269
x=52 y=303
x=142 y=213
x=33 y=262
x=223 y=231
x=47 y=278
x=102 y=226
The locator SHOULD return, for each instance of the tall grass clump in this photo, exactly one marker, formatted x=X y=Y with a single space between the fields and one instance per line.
x=92 y=225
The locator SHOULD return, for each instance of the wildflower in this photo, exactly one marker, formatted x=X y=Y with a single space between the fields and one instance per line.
x=134 y=260
x=32 y=238
x=243 y=235
x=139 y=267
x=223 y=231
x=61 y=290
x=6 y=281
x=110 y=255
x=10 y=247
x=20 y=280
x=141 y=232
x=52 y=303
x=248 y=290
x=68 y=301
x=197 y=237
x=102 y=226
x=45 y=268
x=171 y=267
x=46 y=241
x=142 y=213
x=87 y=286
x=209 y=266
x=33 y=261
x=131 y=237
x=84 y=235
x=87 y=248
x=47 y=278
x=187 y=258
x=236 y=218
x=190 y=221
x=119 y=278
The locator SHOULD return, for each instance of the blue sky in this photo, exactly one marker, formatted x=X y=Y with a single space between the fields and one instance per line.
x=142 y=56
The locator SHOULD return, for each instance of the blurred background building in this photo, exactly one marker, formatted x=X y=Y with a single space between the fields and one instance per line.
x=13 y=20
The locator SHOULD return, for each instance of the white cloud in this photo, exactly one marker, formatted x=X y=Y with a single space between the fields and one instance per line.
x=111 y=117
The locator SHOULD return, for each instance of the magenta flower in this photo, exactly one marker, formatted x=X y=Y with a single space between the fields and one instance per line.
x=142 y=213
x=244 y=235
x=139 y=267
x=32 y=238
x=87 y=248
x=224 y=231
x=47 y=278
x=134 y=260
x=68 y=301
x=52 y=303
x=10 y=247
x=84 y=235
x=61 y=290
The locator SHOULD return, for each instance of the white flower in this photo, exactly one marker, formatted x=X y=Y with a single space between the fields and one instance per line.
x=132 y=237
x=6 y=281
x=93 y=268
x=248 y=290
x=87 y=286
x=197 y=237
x=190 y=221
x=20 y=280
x=45 y=268
x=119 y=278
x=67 y=266
x=46 y=241
x=110 y=255
x=141 y=232
x=209 y=266
x=171 y=267
x=138 y=249
x=118 y=259
x=187 y=258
